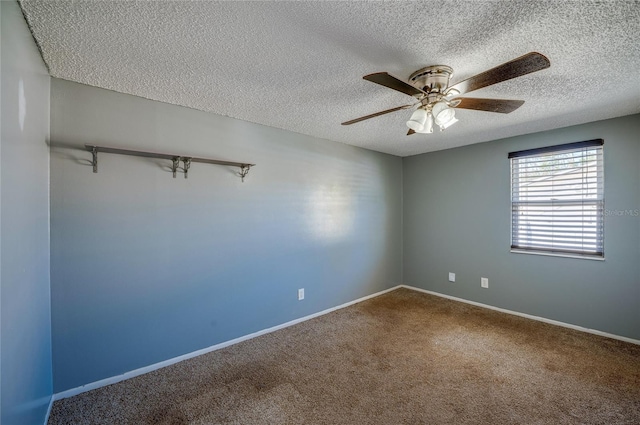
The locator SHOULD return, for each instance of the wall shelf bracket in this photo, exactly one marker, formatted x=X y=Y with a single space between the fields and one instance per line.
x=175 y=159
x=244 y=170
x=175 y=165
x=186 y=166
x=94 y=162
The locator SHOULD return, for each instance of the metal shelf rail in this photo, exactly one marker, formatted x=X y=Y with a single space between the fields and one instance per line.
x=175 y=159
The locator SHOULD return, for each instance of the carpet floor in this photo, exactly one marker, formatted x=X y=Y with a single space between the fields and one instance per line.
x=404 y=357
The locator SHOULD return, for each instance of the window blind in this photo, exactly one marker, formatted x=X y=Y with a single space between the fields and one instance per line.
x=557 y=199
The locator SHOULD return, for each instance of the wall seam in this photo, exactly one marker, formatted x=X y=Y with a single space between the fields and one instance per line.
x=402 y=220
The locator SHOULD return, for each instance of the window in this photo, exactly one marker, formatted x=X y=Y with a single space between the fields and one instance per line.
x=557 y=200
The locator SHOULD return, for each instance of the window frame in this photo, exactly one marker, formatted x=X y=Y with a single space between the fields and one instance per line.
x=600 y=202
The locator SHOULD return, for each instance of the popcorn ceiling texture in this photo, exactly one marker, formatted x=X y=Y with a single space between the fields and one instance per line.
x=299 y=65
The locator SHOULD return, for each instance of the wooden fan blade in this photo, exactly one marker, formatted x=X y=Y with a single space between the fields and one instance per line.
x=377 y=114
x=531 y=62
x=503 y=106
x=392 y=82
x=410 y=132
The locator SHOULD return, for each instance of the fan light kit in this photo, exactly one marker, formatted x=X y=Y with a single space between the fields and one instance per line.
x=436 y=100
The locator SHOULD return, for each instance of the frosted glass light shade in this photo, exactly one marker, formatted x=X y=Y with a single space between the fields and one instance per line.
x=448 y=123
x=417 y=120
x=428 y=125
x=443 y=115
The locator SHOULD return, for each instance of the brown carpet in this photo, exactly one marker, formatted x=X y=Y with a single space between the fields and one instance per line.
x=401 y=358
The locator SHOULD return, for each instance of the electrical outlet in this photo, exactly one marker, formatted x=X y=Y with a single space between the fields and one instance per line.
x=484 y=282
x=300 y=294
x=452 y=277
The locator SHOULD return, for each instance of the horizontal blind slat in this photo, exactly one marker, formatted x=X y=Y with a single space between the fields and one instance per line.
x=543 y=244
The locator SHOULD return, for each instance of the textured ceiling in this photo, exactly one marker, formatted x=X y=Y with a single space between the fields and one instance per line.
x=299 y=65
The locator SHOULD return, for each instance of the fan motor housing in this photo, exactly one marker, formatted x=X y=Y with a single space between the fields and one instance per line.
x=433 y=78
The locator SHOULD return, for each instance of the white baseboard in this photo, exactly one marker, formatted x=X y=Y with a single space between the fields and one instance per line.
x=137 y=372
x=528 y=316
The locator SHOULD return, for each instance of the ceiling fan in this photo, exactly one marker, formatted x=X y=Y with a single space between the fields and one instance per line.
x=436 y=99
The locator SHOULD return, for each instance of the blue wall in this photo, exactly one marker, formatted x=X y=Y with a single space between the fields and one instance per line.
x=457 y=218
x=145 y=267
x=25 y=346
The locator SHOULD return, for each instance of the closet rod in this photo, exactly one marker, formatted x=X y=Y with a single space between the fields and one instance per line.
x=176 y=159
